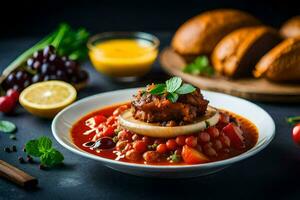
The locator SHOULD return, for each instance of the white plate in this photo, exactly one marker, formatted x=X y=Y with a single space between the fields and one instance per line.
x=64 y=120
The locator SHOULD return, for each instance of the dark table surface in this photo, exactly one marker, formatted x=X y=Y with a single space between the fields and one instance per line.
x=274 y=172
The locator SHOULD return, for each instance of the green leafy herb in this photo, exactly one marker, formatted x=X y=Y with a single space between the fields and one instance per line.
x=200 y=66
x=7 y=126
x=173 y=84
x=174 y=157
x=67 y=41
x=159 y=89
x=43 y=149
x=173 y=88
x=173 y=97
x=293 y=120
x=185 y=89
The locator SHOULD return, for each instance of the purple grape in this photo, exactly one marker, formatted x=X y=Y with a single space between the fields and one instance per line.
x=38 y=55
x=11 y=80
x=37 y=78
x=36 y=65
x=48 y=50
x=30 y=62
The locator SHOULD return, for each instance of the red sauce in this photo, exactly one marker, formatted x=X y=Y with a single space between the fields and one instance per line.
x=249 y=132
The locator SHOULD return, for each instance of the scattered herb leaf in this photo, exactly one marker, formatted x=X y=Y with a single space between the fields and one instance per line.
x=43 y=149
x=7 y=126
x=13 y=137
x=200 y=66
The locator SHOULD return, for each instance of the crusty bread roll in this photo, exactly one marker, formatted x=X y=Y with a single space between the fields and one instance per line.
x=237 y=53
x=291 y=28
x=282 y=63
x=200 y=34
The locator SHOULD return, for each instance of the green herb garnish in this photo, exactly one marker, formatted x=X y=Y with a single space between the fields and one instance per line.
x=42 y=148
x=173 y=88
x=174 y=157
x=293 y=120
x=7 y=126
x=67 y=42
x=200 y=66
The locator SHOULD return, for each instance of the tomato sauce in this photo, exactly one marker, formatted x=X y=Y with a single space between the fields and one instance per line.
x=249 y=134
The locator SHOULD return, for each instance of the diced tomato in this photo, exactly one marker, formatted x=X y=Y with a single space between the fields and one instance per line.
x=111 y=120
x=192 y=156
x=109 y=131
x=99 y=119
x=235 y=135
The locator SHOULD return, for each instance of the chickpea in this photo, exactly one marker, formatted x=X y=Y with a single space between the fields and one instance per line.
x=151 y=156
x=132 y=155
x=120 y=146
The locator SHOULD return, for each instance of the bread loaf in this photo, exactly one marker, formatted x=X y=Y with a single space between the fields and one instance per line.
x=200 y=34
x=291 y=28
x=237 y=53
x=282 y=63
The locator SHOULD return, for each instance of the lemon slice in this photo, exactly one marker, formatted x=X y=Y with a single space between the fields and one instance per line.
x=46 y=99
x=127 y=121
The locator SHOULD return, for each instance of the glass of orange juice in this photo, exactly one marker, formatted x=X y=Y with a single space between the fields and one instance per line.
x=123 y=55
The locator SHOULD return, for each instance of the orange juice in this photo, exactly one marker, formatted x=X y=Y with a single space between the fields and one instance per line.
x=123 y=57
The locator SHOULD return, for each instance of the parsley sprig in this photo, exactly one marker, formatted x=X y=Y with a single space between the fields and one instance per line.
x=173 y=88
x=200 y=66
x=42 y=148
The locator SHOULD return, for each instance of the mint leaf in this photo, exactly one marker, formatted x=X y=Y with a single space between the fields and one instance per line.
x=42 y=148
x=185 y=89
x=200 y=66
x=7 y=126
x=32 y=148
x=44 y=144
x=173 y=97
x=159 y=89
x=51 y=158
x=173 y=84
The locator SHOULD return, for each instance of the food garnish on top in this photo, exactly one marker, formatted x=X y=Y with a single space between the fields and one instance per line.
x=172 y=103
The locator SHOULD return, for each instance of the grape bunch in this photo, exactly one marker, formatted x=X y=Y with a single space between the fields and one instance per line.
x=45 y=65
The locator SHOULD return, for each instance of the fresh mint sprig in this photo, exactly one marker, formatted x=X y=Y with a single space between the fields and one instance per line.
x=200 y=66
x=173 y=88
x=42 y=148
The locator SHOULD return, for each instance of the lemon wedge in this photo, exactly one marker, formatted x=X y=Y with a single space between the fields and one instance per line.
x=46 y=99
x=127 y=121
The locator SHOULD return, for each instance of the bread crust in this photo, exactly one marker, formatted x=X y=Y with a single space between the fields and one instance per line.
x=200 y=34
x=237 y=53
x=282 y=63
x=291 y=28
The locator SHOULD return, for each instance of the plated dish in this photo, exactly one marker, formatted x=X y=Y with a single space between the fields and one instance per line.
x=200 y=134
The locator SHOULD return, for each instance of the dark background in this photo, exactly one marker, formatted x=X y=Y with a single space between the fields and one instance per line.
x=36 y=18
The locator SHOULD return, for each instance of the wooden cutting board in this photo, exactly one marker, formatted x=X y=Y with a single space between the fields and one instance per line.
x=250 y=88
